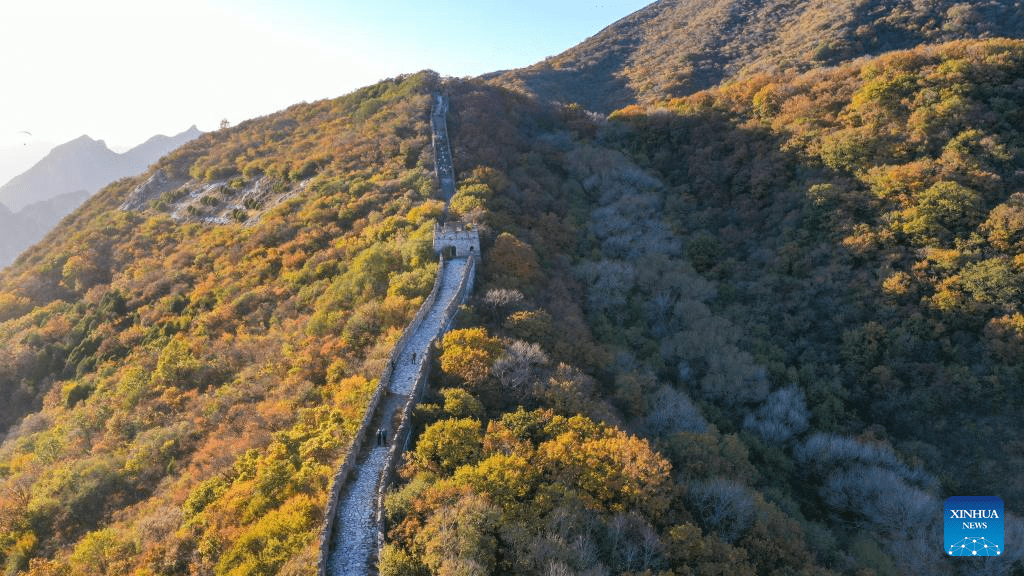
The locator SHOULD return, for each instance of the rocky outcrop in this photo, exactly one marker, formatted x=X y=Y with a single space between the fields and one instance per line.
x=151 y=189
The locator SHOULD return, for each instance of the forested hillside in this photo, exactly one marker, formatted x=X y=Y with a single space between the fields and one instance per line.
x=677 y=47
x=862 y=225
x=801 y=292
x=178 y=395
x=765 y=328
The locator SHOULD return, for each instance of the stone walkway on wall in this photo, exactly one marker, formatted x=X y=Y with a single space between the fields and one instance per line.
x=354 y=542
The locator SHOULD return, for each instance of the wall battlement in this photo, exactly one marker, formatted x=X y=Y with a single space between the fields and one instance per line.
x=460 y=240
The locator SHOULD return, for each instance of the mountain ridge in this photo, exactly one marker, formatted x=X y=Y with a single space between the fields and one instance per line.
x=85 y=164
x=65 y=178
x=673 y=48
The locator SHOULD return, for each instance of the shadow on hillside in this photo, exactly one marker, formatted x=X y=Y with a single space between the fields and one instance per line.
x=599 y=87
x=741 y=202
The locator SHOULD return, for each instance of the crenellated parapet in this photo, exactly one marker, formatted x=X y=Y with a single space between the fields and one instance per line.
x=456 y=240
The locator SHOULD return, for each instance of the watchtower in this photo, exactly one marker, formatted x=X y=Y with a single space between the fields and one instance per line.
x=456 y=240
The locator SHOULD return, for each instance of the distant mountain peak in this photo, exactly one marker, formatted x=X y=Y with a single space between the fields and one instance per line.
x=85 y=164
x=81 y=141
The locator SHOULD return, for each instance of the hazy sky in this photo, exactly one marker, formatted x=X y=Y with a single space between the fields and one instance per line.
x=124 y=70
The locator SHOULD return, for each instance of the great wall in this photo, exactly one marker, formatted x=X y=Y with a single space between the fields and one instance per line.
x=354 y=522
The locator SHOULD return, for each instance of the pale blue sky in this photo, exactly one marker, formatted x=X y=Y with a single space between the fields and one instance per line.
x=124 y=70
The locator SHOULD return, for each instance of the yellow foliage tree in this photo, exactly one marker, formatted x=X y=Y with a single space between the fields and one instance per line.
x=448 y=444
x=468 y=355
x=460 y=538
x=512 y=261
x=615 y=472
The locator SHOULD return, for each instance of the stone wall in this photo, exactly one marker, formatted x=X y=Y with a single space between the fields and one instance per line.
x=464 y=241
x=404 y=430
x=443 y=167
x=371 y=409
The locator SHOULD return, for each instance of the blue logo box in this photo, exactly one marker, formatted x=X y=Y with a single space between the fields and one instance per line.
x=973 y=526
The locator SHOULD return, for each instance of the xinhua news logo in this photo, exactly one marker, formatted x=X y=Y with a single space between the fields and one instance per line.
x=974 y=526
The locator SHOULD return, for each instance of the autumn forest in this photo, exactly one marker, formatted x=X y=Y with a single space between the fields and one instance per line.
x=764 y=326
